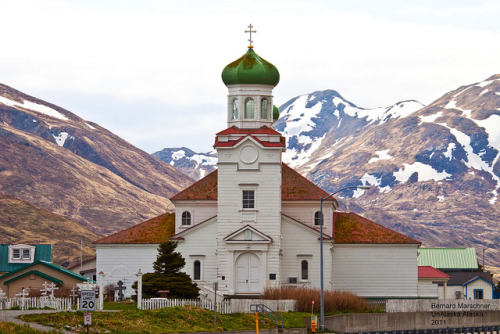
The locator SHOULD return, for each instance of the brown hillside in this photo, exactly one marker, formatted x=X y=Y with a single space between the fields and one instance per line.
x=22 y=222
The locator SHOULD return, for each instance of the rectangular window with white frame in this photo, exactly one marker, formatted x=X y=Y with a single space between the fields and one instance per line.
x=248 y=199
x=21 y=253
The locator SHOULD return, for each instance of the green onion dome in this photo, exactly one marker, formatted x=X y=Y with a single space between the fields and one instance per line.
x=250 y=69
x=276 y=113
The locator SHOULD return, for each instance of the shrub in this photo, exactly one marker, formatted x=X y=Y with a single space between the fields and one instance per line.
x=335 y=300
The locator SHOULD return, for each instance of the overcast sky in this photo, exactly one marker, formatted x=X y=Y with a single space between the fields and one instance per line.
x=150 y=70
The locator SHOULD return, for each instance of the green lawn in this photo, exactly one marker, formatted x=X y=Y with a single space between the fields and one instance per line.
x=167 y=320
x=10 y=327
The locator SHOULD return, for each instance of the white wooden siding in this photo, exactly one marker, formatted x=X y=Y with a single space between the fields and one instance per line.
x=201 y=244
x=200 y=212
x=304 y=213
x=301 y=243
x=120 y=262
x=427 y=289
x=376 y=270
x=479 y=284
x=451 y=292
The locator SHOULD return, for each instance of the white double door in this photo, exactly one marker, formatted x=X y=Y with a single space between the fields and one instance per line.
x=247 y=273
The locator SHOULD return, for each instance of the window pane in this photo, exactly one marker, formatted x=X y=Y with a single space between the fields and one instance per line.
x=235 y=109
x=197 y=270
x=249 y=108
x=248 y=199
x=16 y=254
x=26 y=253
x=317 y=218
x=263 y=109
x=186 y=218
x=304 y=270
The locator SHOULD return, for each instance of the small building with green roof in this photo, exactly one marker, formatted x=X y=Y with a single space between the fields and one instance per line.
x=33 y=276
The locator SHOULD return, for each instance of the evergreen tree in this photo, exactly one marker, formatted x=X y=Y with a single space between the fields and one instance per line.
x=167 y=275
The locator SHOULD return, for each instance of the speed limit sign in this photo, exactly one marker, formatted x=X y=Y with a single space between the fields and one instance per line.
x=88 y=300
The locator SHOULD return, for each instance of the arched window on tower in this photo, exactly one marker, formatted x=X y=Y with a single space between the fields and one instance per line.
x=317 y=218
x=234 y=107
x=249 y=108
x=186 y=218
x=264 y=109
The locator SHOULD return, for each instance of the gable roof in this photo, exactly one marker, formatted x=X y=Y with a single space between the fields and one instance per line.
x=351 y=228
x=42 y=252
x=265 y=237
x=467 y=277
x=264 y=130
x=153 y=231
x=48 y=265
x=448 y=258
x=430 y=272
x=294 y=187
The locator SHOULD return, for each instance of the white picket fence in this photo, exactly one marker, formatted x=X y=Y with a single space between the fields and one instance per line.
x=223 y=307
x=60 y=304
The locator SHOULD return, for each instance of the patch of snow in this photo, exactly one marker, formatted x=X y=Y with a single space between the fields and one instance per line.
x=472 y=173
x=492 y=127
x=5 y=123
x=90 y=126
x=399 y=110
x=202 y=173
x=425 y=173
x=440 y=198
x=357 y=193
x=453 y=105
x=297 y=123
x=172 y=162
x=295 y=158
x=430 y=118
x=484 y=91
x=385 y=189
x=415 y=209
x=204 y=160
x=474 y=160
x=484 y=83
x=382 y=155
x=34 y=107
x=449 y=151
x=178 y=155
x=34 y=121
x=61 y=138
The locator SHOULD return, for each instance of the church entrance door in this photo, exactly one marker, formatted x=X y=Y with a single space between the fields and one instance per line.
x=247 y=273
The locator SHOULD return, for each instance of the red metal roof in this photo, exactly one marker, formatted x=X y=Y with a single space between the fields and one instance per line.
x=351 y=228
x=153 y=231
x=231 y=143
x=265 y=130
x=294 y=187
x=430 y=272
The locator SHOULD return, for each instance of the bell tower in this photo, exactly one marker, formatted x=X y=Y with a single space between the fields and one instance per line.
x=249 y=178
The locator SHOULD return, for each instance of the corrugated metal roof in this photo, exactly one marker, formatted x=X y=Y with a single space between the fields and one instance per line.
x=448 y=258
x=42 y=252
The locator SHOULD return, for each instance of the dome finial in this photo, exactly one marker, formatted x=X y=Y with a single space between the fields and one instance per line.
x=250 y=31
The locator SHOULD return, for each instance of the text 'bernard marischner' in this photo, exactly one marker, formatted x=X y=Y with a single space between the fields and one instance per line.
x=460 y=306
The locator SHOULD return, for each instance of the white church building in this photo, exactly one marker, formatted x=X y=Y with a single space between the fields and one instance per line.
x=255 y=222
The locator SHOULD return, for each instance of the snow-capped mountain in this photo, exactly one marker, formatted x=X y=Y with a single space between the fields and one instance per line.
x=434 y=170
x=195 y=165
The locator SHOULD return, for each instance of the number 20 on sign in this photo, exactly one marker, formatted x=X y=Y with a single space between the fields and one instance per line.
x=88 y=300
